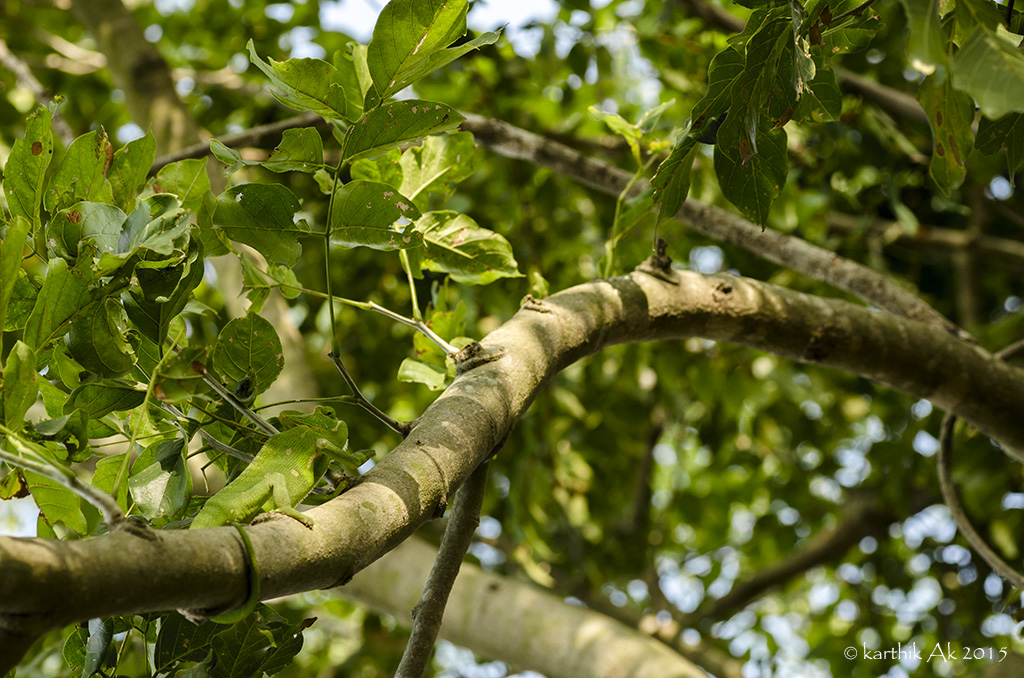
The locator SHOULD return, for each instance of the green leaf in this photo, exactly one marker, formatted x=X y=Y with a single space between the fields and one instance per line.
x=129 y=170
x=262 y=215
x=101 y=398
x=435 y=167
x=397 y=123
x=751 y=180
x=108 y=469
x=19 y=387
x=21 y=302
x=364 y=213
x=973 y=13
x=101 y=341
x=821 y=101
x=991 y=69
x=851 y=37
x=385 y=169
x=1006 y=132
x=80 y=175
x=97 y=222
x=13 y=240
x=163 y=293
x=25 y=173
x=64 y=292
x=308 y=85
x=262 y=642
x=159 y=481
x=671 y=182
x=180 y=640
x=57 y=503
x=431 y=376
x=186 y=179
x=950 y=114
x=300 y=150
x=725 y=69
x=248 y=348
x=926 y=47
x=456 y=245
x=616 y=123
x=408 y=40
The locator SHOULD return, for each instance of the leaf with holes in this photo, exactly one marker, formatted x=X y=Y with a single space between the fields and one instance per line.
x=364 y=213
x=263 y=216
x=396 y=123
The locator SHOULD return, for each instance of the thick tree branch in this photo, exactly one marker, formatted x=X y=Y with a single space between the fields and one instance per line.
x=122 y=573
x=714 y=222
x=570 y=642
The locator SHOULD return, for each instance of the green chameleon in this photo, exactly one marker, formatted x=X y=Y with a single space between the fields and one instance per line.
x=284 y=471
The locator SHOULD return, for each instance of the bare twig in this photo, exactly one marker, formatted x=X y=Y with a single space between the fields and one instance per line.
x=209 y=439
x=952 y=499
x=260 y=423
x=427 y=615
x=418 y=325
x=402 y=428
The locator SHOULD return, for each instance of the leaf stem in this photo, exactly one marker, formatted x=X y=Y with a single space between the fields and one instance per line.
x=402 y=428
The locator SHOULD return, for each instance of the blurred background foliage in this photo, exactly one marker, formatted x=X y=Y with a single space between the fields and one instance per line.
x=648 y=479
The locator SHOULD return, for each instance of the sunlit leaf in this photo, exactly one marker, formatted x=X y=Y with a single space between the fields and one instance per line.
x=456 y=245
x=397 y=123
x=248 y=348
x=365 y=212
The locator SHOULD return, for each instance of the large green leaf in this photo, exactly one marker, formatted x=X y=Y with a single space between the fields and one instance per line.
x=99 y=223
x=101 y=341
x=456 y=245
x=821 y=100
x=413 y=371
x=19 y=386
x=65 y=291
x=262 y=216
x=13 y=239
x=25 y=173
x=435 y=167
x=80 y=175
x=162 y=294
x=950 y=114
x=750 y=179
x=159 y=481
x=249 y=348
x=990 y=68
x=397 y=123
x=129 y=170
x=364 y=213
x=309 y=85
x=186 y=179
x=386 y=168
x=409 y=40
x=926 y=46
x=671 y=182
x=20 y=303
x=100 y=398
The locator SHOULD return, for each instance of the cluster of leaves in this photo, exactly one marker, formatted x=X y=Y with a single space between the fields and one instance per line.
x=779 y=69
x=101 y=263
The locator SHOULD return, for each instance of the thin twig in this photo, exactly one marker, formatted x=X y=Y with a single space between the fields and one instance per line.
x=260 y=423
x=107 y=505
x=427 y=615
x=952 y=499
x=402 y=428
x=418 y=325
x=208 y=438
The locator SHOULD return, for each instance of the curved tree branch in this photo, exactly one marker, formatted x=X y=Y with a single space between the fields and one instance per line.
x=571 y=642
x=123 y=573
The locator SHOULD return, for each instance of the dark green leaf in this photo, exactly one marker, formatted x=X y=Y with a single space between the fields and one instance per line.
x=101 y=341
x=163 y=293
x=671 y=182
x=926 y=47
x=822 y=101
x=97 y=222
x=262 y=215
x=385 y=169
x=751 y=180
x=248 y=348
x=180 y=640
x=397 y=123
x=64 y=292
x=101 y=398
x=20 y=305
x=364 y=213
x=435 y=167
x=1006 y=132
x=300 y=150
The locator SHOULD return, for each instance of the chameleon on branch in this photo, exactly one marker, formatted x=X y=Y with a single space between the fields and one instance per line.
x=284 y=471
